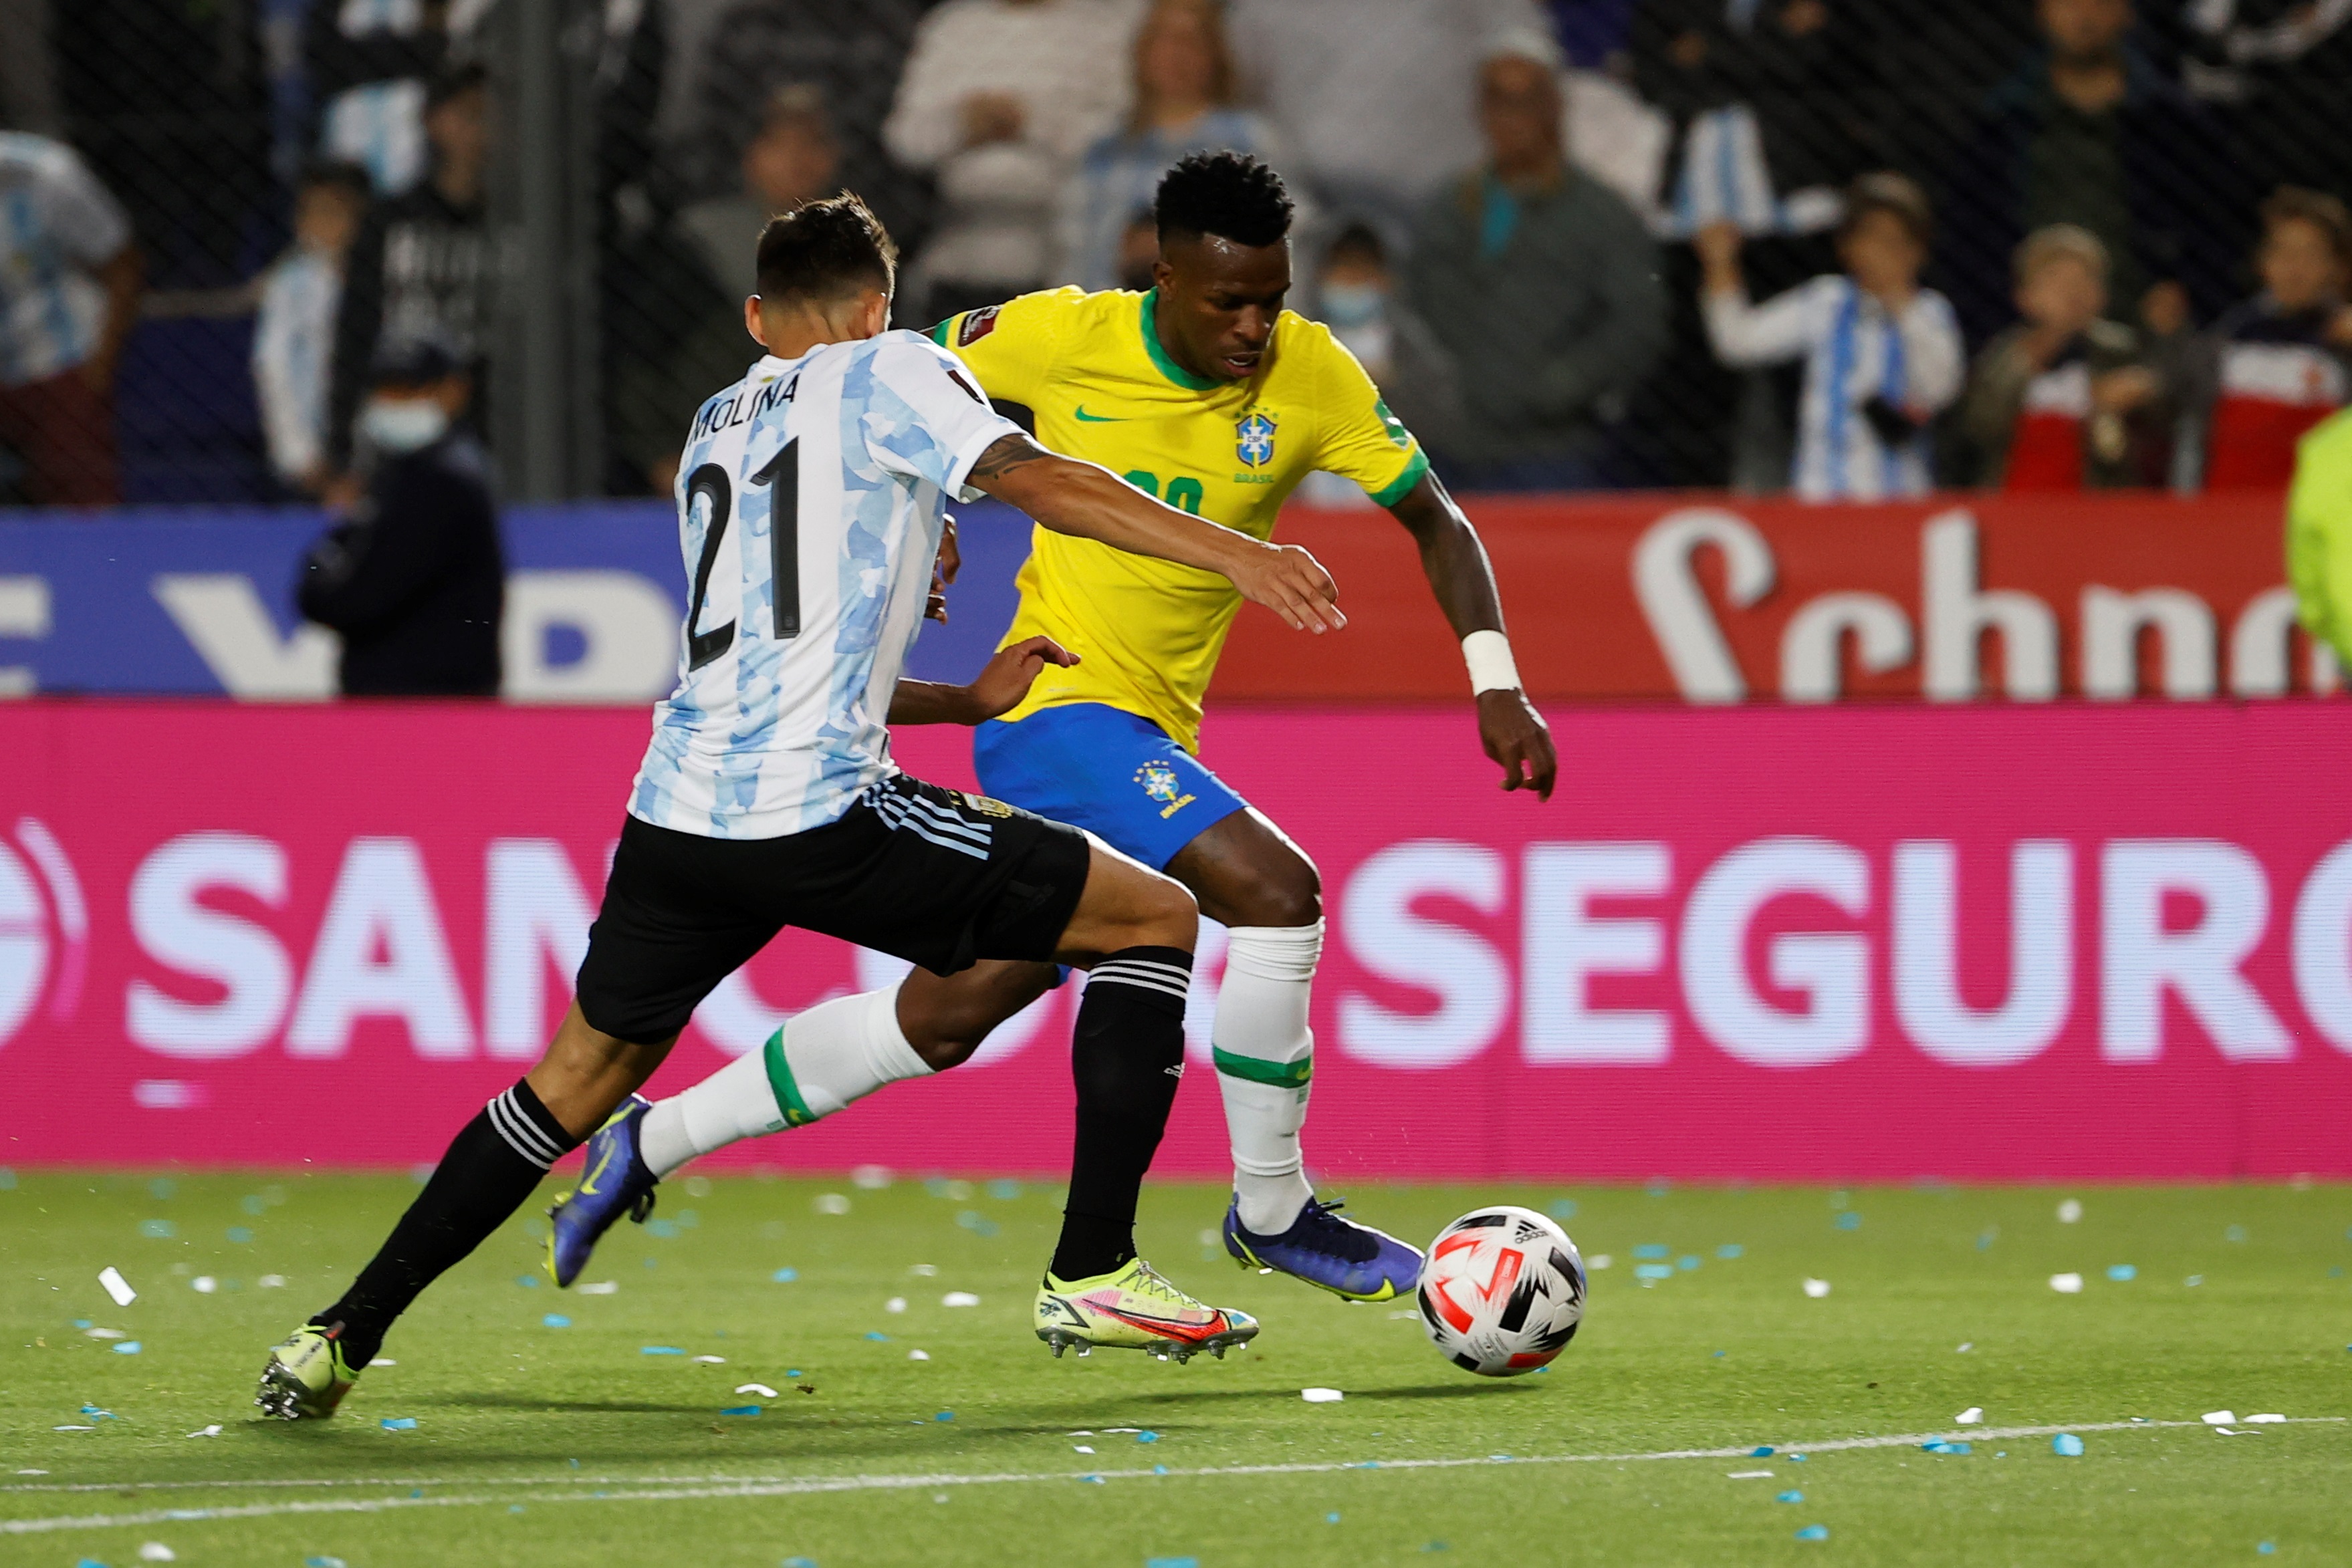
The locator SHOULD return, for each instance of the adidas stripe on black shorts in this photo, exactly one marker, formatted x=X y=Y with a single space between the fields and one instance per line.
x=932 y=875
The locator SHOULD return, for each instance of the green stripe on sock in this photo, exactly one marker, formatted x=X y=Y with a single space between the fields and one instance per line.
x=1286 y=1074
x=780 y=1081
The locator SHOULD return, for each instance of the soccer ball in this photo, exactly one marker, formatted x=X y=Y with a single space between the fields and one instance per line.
x=1502 y=1292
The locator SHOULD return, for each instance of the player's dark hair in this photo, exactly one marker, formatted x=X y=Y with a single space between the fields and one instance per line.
x=1229 y=194
x=454 y=81
x=826 y=250
x=341 y=174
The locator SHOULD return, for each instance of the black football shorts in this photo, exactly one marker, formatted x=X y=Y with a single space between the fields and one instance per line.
x=934 y=876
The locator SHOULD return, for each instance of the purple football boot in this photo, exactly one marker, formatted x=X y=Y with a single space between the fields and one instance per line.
x=613 y=1182
x=1351 y=1260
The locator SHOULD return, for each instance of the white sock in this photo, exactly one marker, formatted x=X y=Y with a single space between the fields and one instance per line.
x=1265 y=1055
x=820 y=1061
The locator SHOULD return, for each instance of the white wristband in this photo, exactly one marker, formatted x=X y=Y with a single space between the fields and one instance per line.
x=1488 y=654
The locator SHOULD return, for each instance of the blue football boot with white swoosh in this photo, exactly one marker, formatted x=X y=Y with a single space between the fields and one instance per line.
x=1350 y=1260
x=613 y=1182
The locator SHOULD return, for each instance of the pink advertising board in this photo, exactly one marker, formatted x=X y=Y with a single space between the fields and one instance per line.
x=2079 y=941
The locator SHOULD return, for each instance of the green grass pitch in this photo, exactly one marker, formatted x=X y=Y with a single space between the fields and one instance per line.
x=536 y=1442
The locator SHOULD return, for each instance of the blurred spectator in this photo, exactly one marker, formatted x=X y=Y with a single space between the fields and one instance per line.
x=2088 y=132
x=2064 y=400
x=1769 y=100
x=420 y=265
x=2281 y=70
x=70 y=286
x=294 y=335
x=1377 y=98
x=371 y=66
x=413 y=578
x=1183 y=102
x=1356 y=297
x=1539 y=282
x=999 y=100
x=682 y=337
x=793 y=158
x=2275 y=366
x=1883 y=356
x=850 y=55
x=1595 y=35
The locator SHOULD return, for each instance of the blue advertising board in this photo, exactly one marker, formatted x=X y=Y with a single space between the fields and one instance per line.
x=201 y=600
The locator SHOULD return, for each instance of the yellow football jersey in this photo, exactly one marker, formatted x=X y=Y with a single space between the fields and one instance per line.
x=1090 y=368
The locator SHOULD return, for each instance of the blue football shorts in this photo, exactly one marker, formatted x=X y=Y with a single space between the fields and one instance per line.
x=1117 y=775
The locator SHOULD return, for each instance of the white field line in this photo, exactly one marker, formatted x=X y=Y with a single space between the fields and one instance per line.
x=687 y=1489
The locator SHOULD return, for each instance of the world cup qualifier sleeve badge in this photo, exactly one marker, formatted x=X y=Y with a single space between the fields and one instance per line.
x=1159 y=783
x=1253 y=438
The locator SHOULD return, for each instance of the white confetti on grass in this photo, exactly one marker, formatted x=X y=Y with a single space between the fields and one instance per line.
x=212 y=1431
x=1817 y=1288
x=895 y=1304
x=1750 y=1475
x=117 y=1286
x=2219 y=1417
x=711 y=1360
x=2068 y=1284
x=2070 y=1211
x=760 y=1389
x=959 y=1299
x=2265 y=1419
x=1321 y=1396
x=156 y=1551
x=919 y=1356
x=601 y=1288
x=1970 y=1416
x=204 y=1284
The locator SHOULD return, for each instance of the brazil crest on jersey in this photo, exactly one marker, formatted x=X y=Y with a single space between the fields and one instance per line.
x=809 y=503
x=1091 y=369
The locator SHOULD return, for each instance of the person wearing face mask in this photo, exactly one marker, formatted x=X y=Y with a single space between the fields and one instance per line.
x=413 y=575
x=1356 y=297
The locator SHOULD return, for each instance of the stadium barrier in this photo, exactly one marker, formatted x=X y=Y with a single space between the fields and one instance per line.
x=1708 y=599
x=1997 y=942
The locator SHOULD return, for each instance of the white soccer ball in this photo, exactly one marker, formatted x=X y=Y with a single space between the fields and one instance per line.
x=1502 y=1292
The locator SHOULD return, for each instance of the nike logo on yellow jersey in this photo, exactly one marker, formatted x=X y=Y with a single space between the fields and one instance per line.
x=1086 y=418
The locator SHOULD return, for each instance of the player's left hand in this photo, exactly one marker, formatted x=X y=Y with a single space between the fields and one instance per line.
x=1007 y=677
x=943 y=573
x=1516 y=737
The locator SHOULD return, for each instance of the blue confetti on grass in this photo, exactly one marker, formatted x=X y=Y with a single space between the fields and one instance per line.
x=667 y=1229
x=1653 y=1250
x=1003 y=1190
x=1729 y=1250
x=1330 y=1519
x=1791 y=1496
x=1796 y=1459
x=800 y=1563
x=253 y=1204
x=740 y=1410
x=162 y=1188
x=1687 y=1262
x=158 y=1229
x=979 y=1223
x=1939 y=1445
x=660 y=1350
x=128 y=1347
x=555 y=1321
x=2267 y=1547
x=1147 y=1436
x=1172 y=1562
x=1653 y=1270
x=1850 y=1220
x=527 y=1281
x=1761 y=1451
x=1562 y=1209
x=1092 y=1480
x=2067 y=1446
x=2122 y=1271
x=2235 y=1233
x=241 y=1234
x=1814 y=1532
x=875 y=1334
x=785 y=1276
x=400 y=1423
x=944 y=1416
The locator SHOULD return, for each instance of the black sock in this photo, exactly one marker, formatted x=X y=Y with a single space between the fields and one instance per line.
x=1127 y=1056
x=489 y=1172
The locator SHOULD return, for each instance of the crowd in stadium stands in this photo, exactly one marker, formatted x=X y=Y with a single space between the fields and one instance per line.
x=1849 y=249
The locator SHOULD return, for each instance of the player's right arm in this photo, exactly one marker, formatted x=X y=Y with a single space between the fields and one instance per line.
x=1090 y=502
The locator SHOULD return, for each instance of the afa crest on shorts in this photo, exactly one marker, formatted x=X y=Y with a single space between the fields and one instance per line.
x=1253 y=438
x=1159 y=783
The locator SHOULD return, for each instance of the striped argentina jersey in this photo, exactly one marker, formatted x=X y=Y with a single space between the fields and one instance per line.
x=809 y=506
x=1854 y=349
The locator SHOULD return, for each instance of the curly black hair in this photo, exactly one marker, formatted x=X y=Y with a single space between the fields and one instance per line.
x=826 y=250
x=1229 y=194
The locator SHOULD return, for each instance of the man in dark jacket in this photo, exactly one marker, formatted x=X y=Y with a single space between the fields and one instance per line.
x=420 y=267
x=413 y=578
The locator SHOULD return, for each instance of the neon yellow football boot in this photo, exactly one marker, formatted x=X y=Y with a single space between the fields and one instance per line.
x=1135 y=1307
x=305 y=1375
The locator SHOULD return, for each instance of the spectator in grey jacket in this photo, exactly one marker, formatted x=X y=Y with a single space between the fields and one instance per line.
x=1541 y=283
